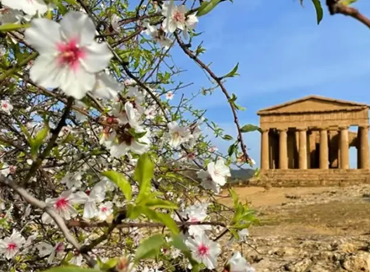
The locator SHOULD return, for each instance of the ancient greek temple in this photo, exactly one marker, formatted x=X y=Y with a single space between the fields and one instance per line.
x=307 y=142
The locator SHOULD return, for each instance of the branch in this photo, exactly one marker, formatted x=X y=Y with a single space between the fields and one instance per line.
x=50 y=211
x=55 y=133
x=336 y=7
x=83 y=224
x=218 y=80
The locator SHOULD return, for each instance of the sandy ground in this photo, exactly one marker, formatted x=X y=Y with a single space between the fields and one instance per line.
x=321 y=217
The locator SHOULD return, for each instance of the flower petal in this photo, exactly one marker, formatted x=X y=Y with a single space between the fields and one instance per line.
x=97 y=57
x=43 y=35
x=76 y=83
x=79 y=26
x=40 y=77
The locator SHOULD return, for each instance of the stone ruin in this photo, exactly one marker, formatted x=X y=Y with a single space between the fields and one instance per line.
x=306 y=142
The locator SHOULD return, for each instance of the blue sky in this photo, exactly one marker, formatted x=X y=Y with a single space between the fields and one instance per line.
x=283 y=55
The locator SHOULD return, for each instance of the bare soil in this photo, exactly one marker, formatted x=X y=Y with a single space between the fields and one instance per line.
x=308 y=229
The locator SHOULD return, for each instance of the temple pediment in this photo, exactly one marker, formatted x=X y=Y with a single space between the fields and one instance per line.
x=312 y=104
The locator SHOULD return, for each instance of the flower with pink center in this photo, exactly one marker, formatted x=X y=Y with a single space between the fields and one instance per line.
x=68 y=52
x=30 y=7
x=212 y=149
x=204 y=250
x=169 y=95
x=196 y=213
x=105 y=210
x=6 y=107
x=11 y=245
x=176 y=18
x=63 y=205
x=46 y=249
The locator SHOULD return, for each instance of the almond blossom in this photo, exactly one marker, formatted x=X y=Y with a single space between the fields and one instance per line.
x=72 y=180
x=106 y=86
x=68 y=52
x=6 y=106
x=105 y=210
x=239 y=264
x=204 y=250
x=63 y=205
x=91 y=199
x=11 y=245
x=158 y=35
x=169 y=95
x=177 y=135
x=30 y=7
x=218 y=171
x=196 y=213
x=176 y=17
x=46 y=249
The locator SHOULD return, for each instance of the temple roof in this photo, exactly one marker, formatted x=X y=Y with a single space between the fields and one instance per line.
x=313 y=103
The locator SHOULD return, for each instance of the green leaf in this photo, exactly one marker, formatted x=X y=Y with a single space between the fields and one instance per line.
x=71 y=2
x=164 y=218
x=348 y=2
x=71 y=269
x=144 y=172
x=37 y=142
x=160 y=203
x=121 y=182
x=234 y=196
x=150 y=247
x=319 y=12
x=207 y=6
x=12 y=27
x=227 y=137
x=232 y=149
x=233 y=72
x=249 y=128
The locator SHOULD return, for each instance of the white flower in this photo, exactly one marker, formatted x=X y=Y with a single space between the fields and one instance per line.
x=68 y=53
x=207 y=181
x=6 y=106
x=46 y=249
x=10 y=246
x=72 y=180
x=63 y=205
x=158 y=35
x=150 y=112
x=10 y=16
x=218 y=171
x=176 y=17
x=212 y=149
x=106 y=86
x=129 y=143
x=204 y=250
x=169 y=95
x=239 y=264
x=177 y=135
x=132 y=116
x=196 y=213
x=90 y=200
x=105 y=210
x=115 y=22
x=30 y=7
x=76 y=260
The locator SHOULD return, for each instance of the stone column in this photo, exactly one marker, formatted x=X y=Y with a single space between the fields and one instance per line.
x=344 y=148
x=364 y=147
x=358 y=148
x=312 y=163
x=265 y=149
x=291 y=149
x=324 y=148
x=283 y=149
x=302 y=148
